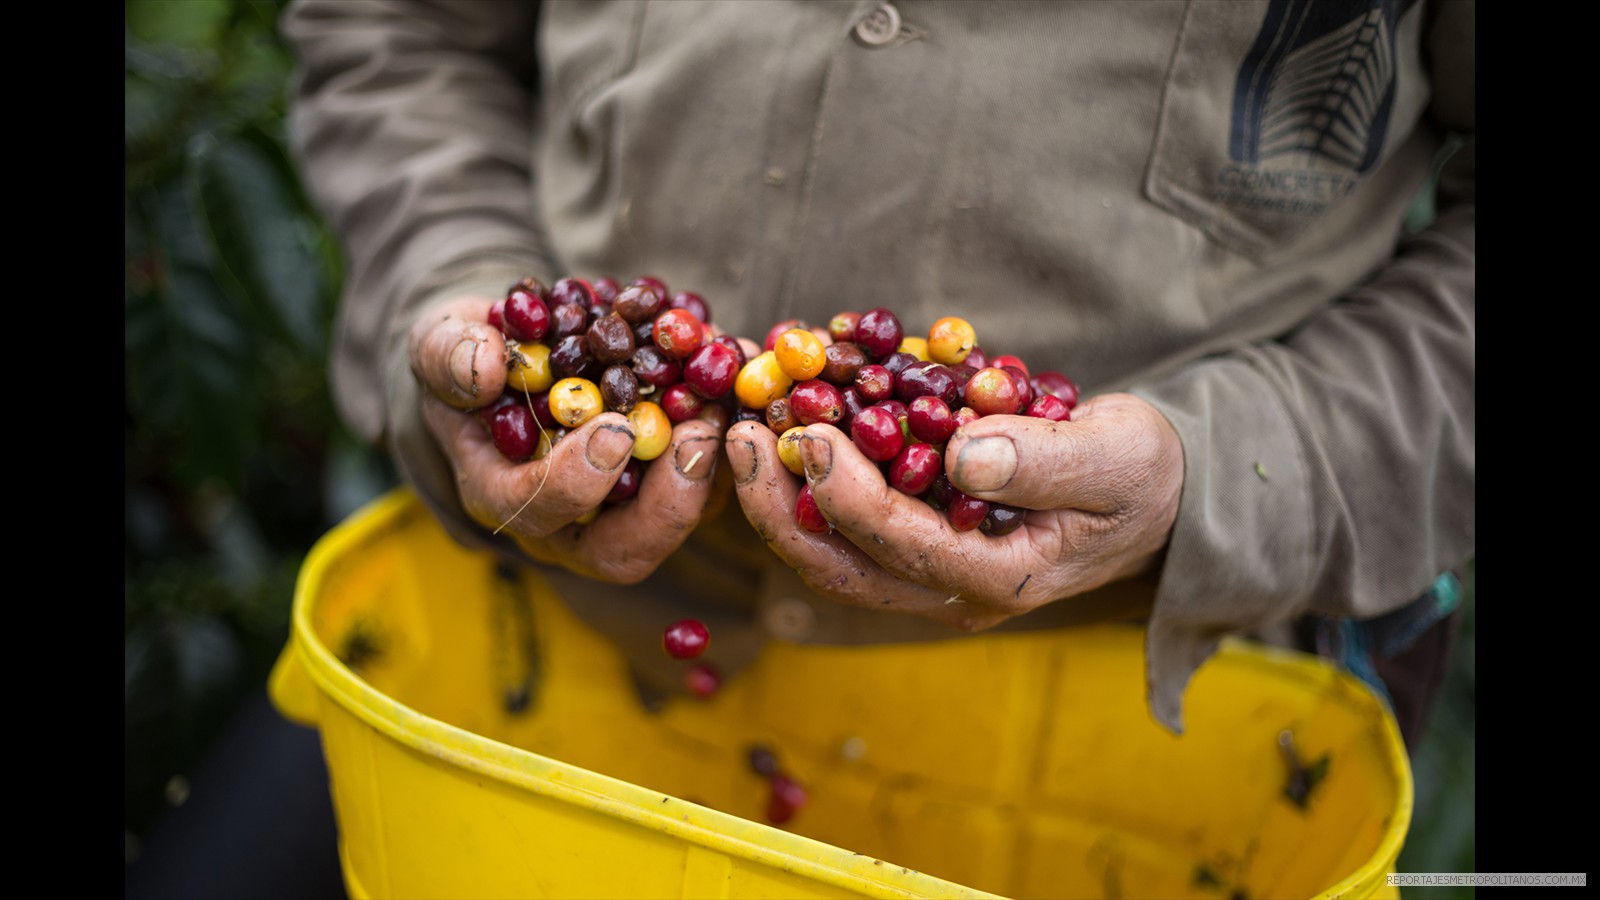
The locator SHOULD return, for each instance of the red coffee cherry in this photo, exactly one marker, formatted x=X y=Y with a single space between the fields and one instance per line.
x=685 y=639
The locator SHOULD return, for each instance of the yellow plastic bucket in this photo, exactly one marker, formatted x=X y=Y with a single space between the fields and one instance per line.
x=483 y=742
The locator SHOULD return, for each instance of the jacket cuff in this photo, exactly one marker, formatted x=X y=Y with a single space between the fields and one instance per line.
x=1242 y=548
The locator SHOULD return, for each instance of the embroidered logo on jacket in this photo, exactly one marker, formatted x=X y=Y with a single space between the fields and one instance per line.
x=1311 y=105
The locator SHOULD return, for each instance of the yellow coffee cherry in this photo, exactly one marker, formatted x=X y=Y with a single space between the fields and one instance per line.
x=789 y=450
x=800 y=354
x=652 y=430
x=529 y=370
x=950 y=340
x=762 y=381
x=574 y=401
x=915 y=346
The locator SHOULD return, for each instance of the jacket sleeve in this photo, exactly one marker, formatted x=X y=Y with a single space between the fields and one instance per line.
x=1332 y=471
x=411 y=123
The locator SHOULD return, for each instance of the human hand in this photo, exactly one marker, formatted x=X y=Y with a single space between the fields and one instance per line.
x=1102 y=491
x=459 y=359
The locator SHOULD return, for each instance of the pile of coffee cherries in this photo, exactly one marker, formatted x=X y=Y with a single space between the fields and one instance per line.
x=899 y=397
x=577 y=348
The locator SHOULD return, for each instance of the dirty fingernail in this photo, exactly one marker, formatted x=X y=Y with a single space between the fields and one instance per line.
x=609 y=447
x=462 y=370
x=986 y=464
x=817 y=454
x=696 y=459
x=742 y=457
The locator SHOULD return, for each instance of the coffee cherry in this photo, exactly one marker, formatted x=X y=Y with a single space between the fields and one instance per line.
x=1057 y=385
x=993 y=392
x=566 y=319
x=879 y=332
x=732 y=343
x=497 y=316
x=930 y=419
x=1001 y=520
x=965 y=513
x=772 y=334
x=685 y=639
x=652 y=431
x=681 y=403
x=816 y=401
x=610 y=339
x=527 y=316
x=606 y=289
x=789 y=450
x=619 y=388
x=1024 y=386
x=808 y=515
x=977 y=359
x=787 y=799
x=574 y=401
x=762 y=760
x=915 y=468
x=570 y=358
x=842 y=363
x=654 y=367
x=571 y=292
x=780 y=417
x=717 y=415
x=925 y=379
x=950 y=340
x=1006 y=359
x=898 y=362
x=875 y=383
x=842 y=327
x=761 y=381
x=541 y=409
x=702 y=680
x=710 y=370
x=638 y=303
x=653 y=282
x=529 y=370
x=627 y=486
x=514 y=432
x=876 y=433
x=692 y=303
x=917 y=347
x=678 y=333
x=800 y=354
x=1049 y=407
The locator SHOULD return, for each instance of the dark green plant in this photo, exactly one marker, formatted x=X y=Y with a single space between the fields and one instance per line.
x=234 y=460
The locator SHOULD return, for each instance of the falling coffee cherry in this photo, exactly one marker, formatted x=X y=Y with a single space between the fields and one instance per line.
x=787 y=798
x=702 y=680
x=685 y=639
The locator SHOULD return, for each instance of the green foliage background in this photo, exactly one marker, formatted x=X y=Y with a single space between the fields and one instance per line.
x=235 y=462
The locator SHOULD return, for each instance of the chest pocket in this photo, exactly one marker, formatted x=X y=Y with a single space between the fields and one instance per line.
x=1276 y=111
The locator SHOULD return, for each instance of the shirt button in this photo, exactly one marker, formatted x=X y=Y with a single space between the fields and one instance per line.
x=790 y=619
x=879 y=27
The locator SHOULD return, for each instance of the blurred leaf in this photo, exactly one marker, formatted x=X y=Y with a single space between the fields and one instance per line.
x=189 y=355
x=253 y=225
x=146 y=109
x=190 y=23
x=181 y=676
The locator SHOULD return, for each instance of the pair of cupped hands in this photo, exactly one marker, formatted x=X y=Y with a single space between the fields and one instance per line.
x=1102 y=492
